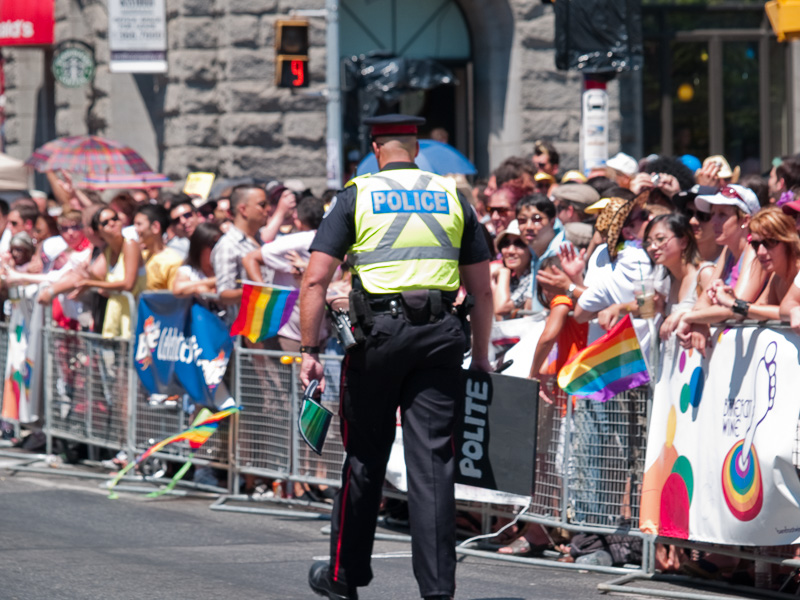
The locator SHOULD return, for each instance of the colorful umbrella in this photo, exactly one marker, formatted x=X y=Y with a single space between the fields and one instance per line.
x=434 y=156
x=87 y=154
x=118 y=181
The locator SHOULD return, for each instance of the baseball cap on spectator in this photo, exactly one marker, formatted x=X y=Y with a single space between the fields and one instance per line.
x=579 y=234
x=732 y=195
x=791 y=208
x=544 y=178
x=574 y=175
x=578 y=193
x=685 y=196
x=691 y=162
x=512 y=229
x=597 y=206
x=624 y=163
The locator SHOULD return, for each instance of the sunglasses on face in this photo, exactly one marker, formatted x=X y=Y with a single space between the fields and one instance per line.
x=729 y=192
x=506 y=243
x=113 y=219
x=500 y=210
x=182 y=217
x=768 y=244
x=71 y=228
x=702 y=217
x=532 y=219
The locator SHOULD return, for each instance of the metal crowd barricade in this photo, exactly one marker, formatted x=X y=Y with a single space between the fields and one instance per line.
x=88 y=384
x=268 y=442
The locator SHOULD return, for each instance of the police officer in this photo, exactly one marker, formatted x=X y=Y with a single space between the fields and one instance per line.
x=412 y=241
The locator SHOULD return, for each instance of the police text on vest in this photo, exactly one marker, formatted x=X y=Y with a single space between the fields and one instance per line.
x=408 y=201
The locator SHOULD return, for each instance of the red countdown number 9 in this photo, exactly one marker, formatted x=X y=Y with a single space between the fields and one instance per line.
x=298 y=72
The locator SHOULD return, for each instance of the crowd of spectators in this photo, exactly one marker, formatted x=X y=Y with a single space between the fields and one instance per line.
x=689 y=242
x=83 y=253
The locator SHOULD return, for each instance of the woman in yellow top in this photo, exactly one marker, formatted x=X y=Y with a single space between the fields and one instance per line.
x=119 y=269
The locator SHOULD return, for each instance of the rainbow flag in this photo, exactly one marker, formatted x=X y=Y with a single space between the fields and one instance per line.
x=612 y=364
x=264 y=310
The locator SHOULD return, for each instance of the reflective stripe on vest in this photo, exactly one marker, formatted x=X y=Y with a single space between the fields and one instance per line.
x=415 y=191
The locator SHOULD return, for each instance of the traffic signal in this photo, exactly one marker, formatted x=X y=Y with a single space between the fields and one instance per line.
x=784 y=16
x=291 y=54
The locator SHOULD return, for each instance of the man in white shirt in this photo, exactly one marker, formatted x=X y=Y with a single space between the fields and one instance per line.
x=287 y=256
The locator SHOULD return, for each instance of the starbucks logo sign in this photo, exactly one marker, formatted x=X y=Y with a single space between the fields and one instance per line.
x=73 y=63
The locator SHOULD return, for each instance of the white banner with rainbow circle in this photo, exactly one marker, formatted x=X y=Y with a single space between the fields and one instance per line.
x=723 y=443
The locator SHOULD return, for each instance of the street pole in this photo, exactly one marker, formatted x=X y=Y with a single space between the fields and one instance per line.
x=332 y=79
x=594 y=123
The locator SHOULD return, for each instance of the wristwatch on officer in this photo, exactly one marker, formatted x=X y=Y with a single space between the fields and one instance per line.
x=571 y=291
x=309 y=349
x=740 y=307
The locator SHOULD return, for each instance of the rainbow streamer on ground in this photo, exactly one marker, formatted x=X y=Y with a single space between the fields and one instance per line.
x=197 y=435
x=743 y=490
x=264 y=310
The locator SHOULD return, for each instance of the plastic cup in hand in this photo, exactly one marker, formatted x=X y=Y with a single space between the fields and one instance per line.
x=645 y=298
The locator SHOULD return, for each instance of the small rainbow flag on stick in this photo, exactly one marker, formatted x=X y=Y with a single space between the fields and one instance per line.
x=264 y=310
x=611 y=365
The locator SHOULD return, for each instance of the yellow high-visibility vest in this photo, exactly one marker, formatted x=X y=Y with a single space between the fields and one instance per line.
x=409 y=225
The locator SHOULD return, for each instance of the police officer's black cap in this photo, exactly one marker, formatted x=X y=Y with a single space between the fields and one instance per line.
x=394 y=124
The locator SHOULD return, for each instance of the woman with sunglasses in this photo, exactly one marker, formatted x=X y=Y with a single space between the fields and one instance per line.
x=672 y=248
x=777 y=246
x=732 y=209
x=513 y=280
x=703 y=230
x=118 y=269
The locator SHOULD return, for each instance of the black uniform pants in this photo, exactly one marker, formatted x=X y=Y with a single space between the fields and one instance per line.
x=418 y=368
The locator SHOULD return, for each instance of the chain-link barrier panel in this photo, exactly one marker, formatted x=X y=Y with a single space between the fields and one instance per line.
x=606 y=459
x=591 y=455
x=87 y=379
x=327 y=468
x=550 y=441
x=157 y=420
x=268 y=442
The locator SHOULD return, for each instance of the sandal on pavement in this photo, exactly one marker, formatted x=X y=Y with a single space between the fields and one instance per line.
x=520 y=547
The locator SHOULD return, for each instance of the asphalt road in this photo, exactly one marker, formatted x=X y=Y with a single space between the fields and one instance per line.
x=63 y=539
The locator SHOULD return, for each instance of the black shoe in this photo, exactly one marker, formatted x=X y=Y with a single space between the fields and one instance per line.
x=322 y=584
x=438 y=598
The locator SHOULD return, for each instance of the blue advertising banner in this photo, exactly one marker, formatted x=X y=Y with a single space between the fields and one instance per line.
x=181 y=347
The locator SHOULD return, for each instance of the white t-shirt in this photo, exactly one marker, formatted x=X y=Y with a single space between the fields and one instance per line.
x=5 y=240
x=614 y=283
x=797 y=280
x=274 y=255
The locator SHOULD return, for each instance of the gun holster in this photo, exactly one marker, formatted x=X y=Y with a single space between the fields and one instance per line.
x=361 y=316
x=422 y=306
x=462 y=312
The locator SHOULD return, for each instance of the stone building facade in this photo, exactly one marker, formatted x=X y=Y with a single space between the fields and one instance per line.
x=218 y=109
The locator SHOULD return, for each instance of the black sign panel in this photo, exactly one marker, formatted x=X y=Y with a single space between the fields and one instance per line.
x=496 y=432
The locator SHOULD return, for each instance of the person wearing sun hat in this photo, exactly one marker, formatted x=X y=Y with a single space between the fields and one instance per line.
x=739 y=196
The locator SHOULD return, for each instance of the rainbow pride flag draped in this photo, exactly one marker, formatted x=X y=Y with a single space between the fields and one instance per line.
x=197 y=435
x=611 y=365
x=264 y=310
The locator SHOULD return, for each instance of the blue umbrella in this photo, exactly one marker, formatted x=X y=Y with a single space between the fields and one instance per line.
x=434 y=156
